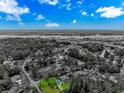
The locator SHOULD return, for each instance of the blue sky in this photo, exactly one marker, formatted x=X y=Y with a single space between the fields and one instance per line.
x=62 y=14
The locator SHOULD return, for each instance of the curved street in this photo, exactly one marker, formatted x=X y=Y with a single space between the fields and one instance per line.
x=32 y=82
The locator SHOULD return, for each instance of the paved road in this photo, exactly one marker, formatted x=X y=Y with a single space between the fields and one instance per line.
x=32 y=82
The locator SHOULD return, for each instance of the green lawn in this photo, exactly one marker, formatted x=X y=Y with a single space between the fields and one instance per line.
x=50 y=90
x=53 y=85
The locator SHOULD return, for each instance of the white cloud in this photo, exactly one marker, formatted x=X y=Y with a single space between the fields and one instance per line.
x=50 y=2
x=68 y=6
x=84 y=13
x=79 y=2
x=92 y=14
x=110 y=12
x=12 y=18
x=0 y=17
x=50 y=24
x=21 y=23
x=11 y=7
x=74 y=21
x=40 y=17
x=122 y=3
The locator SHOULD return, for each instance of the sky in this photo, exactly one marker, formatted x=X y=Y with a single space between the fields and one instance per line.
x=62 y=14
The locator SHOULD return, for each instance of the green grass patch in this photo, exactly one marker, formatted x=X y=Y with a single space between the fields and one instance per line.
x=53 y=85
x=50 y=90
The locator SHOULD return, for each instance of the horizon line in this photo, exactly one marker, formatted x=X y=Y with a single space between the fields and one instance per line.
x=61 y=30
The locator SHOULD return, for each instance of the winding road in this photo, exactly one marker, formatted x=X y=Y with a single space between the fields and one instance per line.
x=32 y=82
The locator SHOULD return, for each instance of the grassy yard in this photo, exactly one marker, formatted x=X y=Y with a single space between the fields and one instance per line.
x=50 y=90
x=53 y=85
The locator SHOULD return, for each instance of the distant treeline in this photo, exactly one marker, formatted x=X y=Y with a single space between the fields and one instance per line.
x=61 y=32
